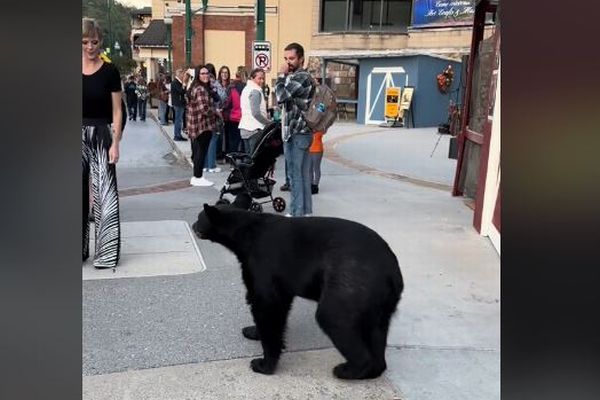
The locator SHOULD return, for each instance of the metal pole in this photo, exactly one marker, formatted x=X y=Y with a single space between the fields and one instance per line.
x=110 y=44
x=381 y=15
x=188 y=32
x=169 y=68
x=260 y=19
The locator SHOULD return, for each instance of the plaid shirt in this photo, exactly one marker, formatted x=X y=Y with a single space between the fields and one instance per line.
x=294 y=91
x=200 y=116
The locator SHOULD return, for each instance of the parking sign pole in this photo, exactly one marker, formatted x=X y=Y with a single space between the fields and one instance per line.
x=260 y=19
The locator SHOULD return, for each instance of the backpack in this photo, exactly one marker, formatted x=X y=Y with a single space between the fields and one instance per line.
x=322 y=109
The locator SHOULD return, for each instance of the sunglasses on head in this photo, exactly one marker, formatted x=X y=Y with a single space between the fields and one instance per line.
x=94 y=42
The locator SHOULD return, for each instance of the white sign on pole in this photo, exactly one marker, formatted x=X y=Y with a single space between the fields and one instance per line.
x=261 y=55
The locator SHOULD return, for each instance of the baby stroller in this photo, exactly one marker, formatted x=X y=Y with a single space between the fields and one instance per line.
x=253 y=173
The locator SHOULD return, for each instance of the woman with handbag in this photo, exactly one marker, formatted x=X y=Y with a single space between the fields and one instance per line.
x=219 y=96
x=163 y=98
x=201 y=122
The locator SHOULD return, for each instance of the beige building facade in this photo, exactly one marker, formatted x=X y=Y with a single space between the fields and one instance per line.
x=341 y=38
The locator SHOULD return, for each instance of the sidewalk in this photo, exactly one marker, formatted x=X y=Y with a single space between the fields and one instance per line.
x=179 y=338
x=419 y=154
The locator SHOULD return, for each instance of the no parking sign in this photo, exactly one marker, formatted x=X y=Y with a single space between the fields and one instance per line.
x=261 y=55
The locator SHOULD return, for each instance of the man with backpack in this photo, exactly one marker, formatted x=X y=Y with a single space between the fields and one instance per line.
x=294 y=89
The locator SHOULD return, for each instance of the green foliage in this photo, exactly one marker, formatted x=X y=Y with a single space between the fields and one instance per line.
x=124 y=64
x=120 y=23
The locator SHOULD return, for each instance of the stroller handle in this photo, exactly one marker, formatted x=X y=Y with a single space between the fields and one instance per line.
x=238 y=158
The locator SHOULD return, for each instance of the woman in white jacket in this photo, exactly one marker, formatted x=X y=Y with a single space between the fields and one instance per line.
x=254 y=110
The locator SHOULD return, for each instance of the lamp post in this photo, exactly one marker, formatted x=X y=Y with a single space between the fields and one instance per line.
x=108 y=11
x=169 y=22
x=188 y=32
x=260 y=19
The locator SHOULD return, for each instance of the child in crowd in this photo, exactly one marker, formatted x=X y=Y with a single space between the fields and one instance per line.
x=316 y=156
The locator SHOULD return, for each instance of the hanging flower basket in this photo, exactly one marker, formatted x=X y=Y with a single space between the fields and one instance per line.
x=445 y=79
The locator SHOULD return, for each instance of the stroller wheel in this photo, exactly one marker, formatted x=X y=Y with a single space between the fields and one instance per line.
x=256 y=207
x=278 y=204
x=222 y=201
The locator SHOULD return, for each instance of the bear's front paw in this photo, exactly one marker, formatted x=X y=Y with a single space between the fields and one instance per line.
x=261 y=366
x=346 y=371
x=250 y=332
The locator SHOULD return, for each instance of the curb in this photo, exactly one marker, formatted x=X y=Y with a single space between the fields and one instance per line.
x=180 y=154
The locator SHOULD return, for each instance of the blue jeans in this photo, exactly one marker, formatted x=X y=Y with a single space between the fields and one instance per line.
x=250 y=143
x=232 y=131
x=298 y=165
x=132 y=108
x=142 y=108
x=211 y=155
x=178 y=121
x=162 y=111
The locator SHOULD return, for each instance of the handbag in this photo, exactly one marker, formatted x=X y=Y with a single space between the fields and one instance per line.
x=164 y=96
x=220 y=126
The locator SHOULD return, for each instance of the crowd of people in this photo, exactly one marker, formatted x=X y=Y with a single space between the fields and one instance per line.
x=218 y=114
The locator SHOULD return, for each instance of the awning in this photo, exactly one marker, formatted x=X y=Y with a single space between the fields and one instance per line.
x=155 y=35
x=353 y=56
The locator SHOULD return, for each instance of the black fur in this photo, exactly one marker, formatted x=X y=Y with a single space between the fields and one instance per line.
x=343 y=265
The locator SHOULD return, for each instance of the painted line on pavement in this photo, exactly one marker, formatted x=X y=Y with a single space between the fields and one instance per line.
x=332 y=155
x=163 y=187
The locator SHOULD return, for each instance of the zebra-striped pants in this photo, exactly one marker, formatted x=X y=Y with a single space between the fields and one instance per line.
x=96 y=141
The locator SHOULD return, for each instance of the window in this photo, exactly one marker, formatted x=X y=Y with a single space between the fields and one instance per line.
x=365 y=15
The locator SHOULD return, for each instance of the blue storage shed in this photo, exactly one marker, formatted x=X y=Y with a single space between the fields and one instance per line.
x=429 y=105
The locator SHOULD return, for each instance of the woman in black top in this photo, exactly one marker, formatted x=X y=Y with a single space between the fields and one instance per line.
x=101 y=134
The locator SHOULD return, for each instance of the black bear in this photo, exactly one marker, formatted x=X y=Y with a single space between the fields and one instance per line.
x=346 y=267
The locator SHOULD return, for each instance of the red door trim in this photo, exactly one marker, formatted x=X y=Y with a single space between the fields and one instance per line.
x=474 y=136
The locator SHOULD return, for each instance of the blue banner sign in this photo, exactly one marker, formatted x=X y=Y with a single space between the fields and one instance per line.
x=442 y=12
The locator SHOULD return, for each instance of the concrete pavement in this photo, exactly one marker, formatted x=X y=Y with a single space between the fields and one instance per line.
x=418 y=154
x=178 y=336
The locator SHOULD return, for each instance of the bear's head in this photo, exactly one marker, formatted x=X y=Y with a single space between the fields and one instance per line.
x=212 y=217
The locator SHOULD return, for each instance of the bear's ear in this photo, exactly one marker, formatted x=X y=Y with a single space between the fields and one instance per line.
x=211 y=212
x=243 y=201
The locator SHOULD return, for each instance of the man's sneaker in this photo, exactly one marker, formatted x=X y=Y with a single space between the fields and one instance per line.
x=215 y=170
x=285 y=187
x=200 y=181
x=204 y=169
x=288 y=215
x=308 y=215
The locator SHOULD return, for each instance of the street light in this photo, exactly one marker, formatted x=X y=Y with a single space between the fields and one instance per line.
x=118 y=48
x=188 y=30
x=169 y=22
x=108 y=12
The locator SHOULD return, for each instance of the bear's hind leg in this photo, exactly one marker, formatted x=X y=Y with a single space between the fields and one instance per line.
x=342 y=329
x=378 y=342
x=270 y=318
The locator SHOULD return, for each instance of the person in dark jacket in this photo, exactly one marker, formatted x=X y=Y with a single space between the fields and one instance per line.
x=132 y=99
x=178 y=100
